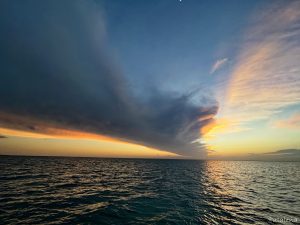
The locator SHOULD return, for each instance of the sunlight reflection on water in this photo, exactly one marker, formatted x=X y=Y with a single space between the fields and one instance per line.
x=136 y=191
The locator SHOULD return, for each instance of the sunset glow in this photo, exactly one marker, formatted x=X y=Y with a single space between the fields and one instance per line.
x=151 y=93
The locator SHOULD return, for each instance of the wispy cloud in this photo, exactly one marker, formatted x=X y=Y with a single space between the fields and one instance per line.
x=266 y=77
x=218 y=65
x=292 y=122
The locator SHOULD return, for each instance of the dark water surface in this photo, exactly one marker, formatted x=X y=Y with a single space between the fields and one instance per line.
x=53 y=190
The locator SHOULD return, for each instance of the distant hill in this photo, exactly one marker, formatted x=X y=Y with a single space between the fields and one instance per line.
x=285 y=151
x=280 y=155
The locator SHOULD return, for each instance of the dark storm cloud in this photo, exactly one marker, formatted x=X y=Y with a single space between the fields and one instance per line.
x=56 y=67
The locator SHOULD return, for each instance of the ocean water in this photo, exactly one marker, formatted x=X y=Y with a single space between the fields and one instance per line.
x=56 y=190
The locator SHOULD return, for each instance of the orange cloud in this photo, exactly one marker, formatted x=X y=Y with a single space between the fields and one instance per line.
x=88 y=144
x=23 y=126
x=265 y=79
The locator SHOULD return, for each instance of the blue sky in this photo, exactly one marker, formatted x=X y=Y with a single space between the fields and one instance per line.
x=171 y=44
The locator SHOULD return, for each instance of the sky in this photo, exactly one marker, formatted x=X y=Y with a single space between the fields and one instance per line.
x=157 y=78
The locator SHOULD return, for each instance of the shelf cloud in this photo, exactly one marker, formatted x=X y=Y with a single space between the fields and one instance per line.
x=57 y=68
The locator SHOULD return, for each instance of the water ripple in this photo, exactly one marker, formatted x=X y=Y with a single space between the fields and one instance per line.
x=50 y=190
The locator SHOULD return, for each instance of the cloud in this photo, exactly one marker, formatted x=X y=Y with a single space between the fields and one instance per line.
x=265 y=79
x=57 y=70
x=292 y=122
x=218 y=65
x=2 y=136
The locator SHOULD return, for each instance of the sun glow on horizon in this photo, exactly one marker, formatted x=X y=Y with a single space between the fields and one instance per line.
x=63 y=142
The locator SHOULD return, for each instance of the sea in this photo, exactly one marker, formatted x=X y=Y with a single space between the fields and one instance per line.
x=65 y=190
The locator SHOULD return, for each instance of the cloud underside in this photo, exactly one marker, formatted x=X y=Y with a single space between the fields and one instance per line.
x=56 y=68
